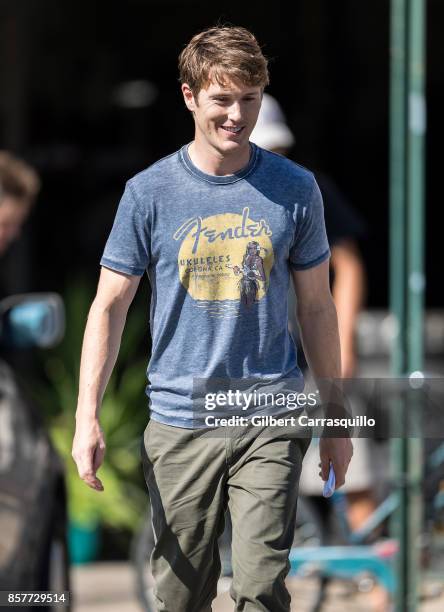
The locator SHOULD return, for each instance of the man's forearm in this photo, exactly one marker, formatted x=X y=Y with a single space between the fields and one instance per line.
x=320 y=339
x=101 y=345
x=318 y=324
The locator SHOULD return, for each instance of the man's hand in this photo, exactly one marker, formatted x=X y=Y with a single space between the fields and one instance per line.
x=88 y=451
x=339 y=451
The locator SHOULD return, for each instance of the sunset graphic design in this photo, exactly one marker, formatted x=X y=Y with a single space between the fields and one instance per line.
x=224 y=261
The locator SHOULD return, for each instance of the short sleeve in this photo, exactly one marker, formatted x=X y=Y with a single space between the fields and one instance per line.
x=128 y=246
x=310 y=244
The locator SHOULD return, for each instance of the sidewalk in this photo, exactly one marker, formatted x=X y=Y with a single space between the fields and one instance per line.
x=109 y=587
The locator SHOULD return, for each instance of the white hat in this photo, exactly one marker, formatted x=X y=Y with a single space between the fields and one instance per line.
x=271 y=130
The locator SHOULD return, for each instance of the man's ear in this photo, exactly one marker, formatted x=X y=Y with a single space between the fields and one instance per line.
x=188 y=97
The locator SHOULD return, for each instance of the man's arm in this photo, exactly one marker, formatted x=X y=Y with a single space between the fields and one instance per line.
x=348 y=294
x=318 y=324
x=101 y=344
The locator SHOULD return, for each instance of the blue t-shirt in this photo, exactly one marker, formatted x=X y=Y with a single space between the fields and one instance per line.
x=217 y=251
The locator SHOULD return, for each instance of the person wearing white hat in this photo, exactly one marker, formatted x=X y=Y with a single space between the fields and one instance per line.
x=271 y=131
x=343 y=227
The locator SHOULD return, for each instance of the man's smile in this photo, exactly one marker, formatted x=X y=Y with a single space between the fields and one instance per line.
x=232 y=129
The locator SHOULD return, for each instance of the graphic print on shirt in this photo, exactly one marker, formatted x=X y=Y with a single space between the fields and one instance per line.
x=225 y=259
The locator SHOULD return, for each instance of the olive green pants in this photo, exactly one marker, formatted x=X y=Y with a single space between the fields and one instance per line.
x=192 y=476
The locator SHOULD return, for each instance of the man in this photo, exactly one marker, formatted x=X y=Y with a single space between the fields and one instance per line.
x=19 y=186
x=186 y=219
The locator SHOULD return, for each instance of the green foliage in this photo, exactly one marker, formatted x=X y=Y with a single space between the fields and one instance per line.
x=123 y=416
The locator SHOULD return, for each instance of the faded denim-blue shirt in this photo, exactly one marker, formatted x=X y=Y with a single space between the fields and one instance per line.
x=217 y=251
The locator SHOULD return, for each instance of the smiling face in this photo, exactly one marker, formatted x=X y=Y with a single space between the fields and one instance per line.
x=224 y=115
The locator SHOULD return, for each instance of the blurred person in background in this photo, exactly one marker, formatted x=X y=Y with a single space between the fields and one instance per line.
x=19 y=186
x=185 y=220
x=33 y=519
x=344 y=227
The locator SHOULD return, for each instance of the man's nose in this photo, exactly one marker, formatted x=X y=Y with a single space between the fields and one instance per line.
x=234 y=112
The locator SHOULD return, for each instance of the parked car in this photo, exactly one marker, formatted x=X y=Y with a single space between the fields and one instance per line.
x=33 y=517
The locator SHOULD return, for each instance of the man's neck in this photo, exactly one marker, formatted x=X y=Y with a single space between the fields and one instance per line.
x=211 y=161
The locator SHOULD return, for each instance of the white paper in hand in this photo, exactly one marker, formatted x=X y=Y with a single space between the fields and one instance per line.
x=329 y=486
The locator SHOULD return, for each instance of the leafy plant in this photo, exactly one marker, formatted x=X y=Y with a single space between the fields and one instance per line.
x=123 y=417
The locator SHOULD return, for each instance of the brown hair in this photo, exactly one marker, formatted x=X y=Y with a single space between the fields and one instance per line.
x=219 y=52
x=17 y=179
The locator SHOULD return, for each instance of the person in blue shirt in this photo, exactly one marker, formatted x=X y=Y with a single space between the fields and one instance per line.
x=186 y=221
